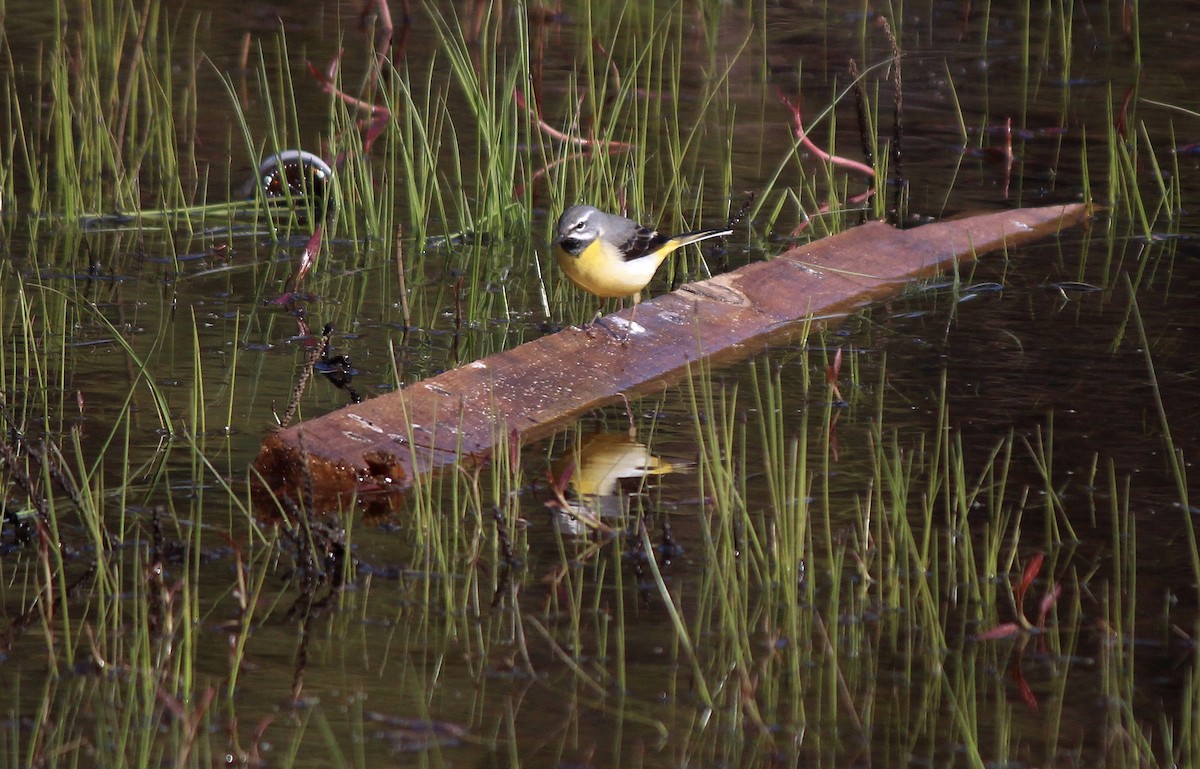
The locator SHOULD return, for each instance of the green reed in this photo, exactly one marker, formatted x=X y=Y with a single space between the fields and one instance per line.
x=938 y=572
x=835 y=616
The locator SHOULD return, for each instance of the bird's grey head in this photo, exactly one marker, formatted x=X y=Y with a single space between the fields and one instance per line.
x=577 y=227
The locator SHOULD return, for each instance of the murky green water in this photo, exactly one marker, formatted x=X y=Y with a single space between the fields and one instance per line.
x=830 y=624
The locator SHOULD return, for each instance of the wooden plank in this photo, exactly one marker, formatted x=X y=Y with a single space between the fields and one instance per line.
x=530 y=391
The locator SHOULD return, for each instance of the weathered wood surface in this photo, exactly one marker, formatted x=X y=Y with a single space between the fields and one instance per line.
x=532 y=390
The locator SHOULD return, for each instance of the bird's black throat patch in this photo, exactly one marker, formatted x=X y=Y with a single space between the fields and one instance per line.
x=573 y=246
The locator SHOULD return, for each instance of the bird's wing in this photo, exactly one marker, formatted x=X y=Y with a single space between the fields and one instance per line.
x=643 y=240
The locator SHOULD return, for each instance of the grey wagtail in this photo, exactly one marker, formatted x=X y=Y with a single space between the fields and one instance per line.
x=611 y=256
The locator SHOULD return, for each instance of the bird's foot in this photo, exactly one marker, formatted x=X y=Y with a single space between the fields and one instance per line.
x=590 y=330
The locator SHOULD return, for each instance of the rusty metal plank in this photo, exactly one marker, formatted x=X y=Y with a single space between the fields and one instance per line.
x=532 y=390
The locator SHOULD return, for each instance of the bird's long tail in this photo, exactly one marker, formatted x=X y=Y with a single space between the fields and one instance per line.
x=687 y=238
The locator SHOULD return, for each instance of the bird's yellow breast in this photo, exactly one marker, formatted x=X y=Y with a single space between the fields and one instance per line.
x=602 y=270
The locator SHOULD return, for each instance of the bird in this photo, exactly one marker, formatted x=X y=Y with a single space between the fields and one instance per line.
x=612 y=256
x=594 y=471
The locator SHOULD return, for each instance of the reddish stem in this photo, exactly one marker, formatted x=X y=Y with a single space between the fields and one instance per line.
x=802 y=137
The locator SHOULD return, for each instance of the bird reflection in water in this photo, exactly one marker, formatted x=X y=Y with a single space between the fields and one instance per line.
x=587 y=486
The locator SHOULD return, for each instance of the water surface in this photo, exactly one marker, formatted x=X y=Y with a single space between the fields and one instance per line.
x=801 y=611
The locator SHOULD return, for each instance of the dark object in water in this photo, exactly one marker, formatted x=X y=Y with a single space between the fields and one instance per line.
x=295 y=175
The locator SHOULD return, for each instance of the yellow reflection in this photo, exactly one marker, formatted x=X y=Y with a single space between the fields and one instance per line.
x=593 y=471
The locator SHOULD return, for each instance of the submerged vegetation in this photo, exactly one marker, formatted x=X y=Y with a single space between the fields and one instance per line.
x=956 y=530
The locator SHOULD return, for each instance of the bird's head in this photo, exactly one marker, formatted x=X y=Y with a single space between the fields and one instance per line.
x=577 y=228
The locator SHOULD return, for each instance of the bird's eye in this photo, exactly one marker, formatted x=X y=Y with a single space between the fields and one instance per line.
x=579 y=225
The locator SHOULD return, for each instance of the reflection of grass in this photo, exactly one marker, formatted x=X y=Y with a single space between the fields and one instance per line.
x=799 y=620
x=837 y=569
x=826 y=606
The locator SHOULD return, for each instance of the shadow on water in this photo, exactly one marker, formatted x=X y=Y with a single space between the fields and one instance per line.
x=967 y=540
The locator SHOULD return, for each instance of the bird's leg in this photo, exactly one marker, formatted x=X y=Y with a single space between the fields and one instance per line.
x=637 y=299
x=598 y=320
